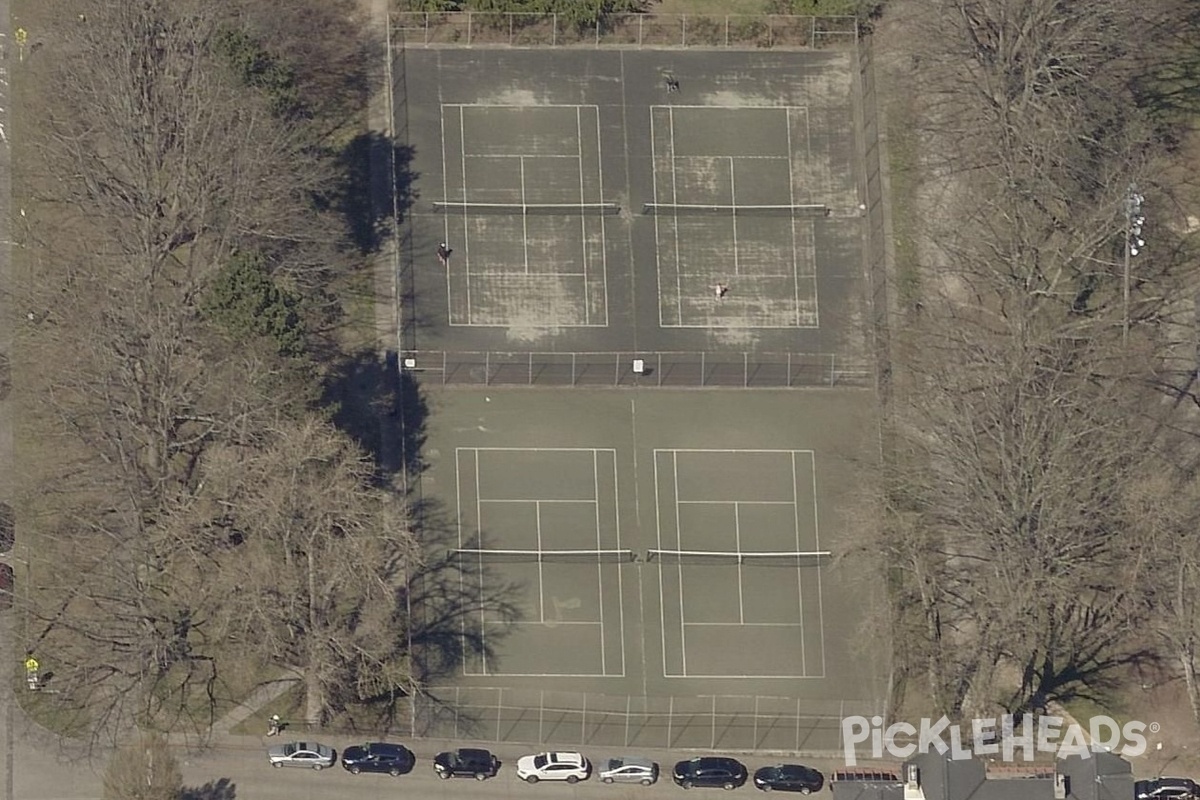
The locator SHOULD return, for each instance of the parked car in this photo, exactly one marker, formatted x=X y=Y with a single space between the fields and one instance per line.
x=467 y=762
x=394 y=759
x=302 y=754
x=1166 y=789
x=789 y=778
x=710 y=771
x=565 y=766
x=629 y=769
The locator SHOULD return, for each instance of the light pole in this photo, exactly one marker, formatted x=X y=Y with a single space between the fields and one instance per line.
x=1133 y=245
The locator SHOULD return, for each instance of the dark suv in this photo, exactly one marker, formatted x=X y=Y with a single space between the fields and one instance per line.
x=1166 y=789
x=713 y=771
x=394 y=759
x=467 y=762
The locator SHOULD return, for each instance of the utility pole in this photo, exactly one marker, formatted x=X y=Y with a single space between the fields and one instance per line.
x=1133 y=245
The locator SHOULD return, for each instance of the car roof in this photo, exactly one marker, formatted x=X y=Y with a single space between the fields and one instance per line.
x=385 y=747
x=630 y=761
x=565 y=757
x=471 y=753
x=713 y=761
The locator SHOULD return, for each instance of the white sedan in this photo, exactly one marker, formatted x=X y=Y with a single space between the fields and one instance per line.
x=569 y=767
x=301 y=754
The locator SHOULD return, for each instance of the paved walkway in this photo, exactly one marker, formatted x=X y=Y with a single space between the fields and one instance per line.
x=262 y=697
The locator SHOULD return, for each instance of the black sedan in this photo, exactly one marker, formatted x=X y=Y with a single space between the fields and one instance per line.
x=710 y=771
x=394 y=759
x=789 y=778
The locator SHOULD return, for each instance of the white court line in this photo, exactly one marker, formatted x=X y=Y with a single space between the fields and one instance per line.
x=745 y=625
x=799 y=575
x=512 y=500
x=657 y=236
x=482 y=615
x=812 y=259
x=599 y=566
x=720 y=450
x=792 y=197
x=462 y=133
x=526 y=107
x=737 y=546
x=772 y=107
x=524 y=216
x=678 y=539
x=662 y=605
x=462 y=584
x=553 y=623
x=603 y=256
x=743 y=502
x=537 y=516
x=446 y=222
x=587 y=308
x=519 y=155
x=733 y=214
x=817 y=541
x=755 y=325
x=678 y=259
x=541 y=675
x=620 y=581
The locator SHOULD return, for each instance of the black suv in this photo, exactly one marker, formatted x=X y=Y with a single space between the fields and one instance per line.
x=1166 y=789
x=468 y=762
x=394 y=759
x=726 y=773
x=789 y=778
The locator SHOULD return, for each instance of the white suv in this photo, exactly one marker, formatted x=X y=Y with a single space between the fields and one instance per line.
x=569 y=767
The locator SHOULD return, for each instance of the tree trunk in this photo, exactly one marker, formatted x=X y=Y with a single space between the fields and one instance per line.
x=314 y=692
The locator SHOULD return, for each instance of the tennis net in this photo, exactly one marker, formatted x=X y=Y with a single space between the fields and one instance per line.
x=772 y=558
x=528 y=209
x=494 y=556
x=685 y=209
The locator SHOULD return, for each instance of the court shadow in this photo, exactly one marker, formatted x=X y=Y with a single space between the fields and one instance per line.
x=382 y=408
x=222 y=789
x=453 y=595
x=374 y=169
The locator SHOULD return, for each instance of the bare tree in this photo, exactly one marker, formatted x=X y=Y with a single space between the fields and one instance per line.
x=318 y=580
x=144 y=769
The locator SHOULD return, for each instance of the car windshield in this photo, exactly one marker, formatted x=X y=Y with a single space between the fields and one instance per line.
x=541 y=761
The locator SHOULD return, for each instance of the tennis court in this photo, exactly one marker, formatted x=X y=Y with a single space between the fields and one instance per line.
x=657 y=561
x=589 y=207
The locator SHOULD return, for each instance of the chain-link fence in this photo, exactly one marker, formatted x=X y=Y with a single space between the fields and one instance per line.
x=520 y=29
x=678 y=369
x=707 y=722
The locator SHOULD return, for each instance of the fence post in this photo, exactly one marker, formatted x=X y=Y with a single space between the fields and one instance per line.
x=798 y=724
x=745 y=370
x=755 y=722
x=512 y=30
x=583 y=722
x=628 y=711
x=812 y=33
x=832 y=368
x=531 y=369
x=702 y=373
x=670 y=720
x=788 y=380
x=487 y=367
x=541 y=714
x=727 y=30
x=554 y=30
x=574 y=378
x=639 y=19
x=499 y=712
x=713 y=738
x=683 y=30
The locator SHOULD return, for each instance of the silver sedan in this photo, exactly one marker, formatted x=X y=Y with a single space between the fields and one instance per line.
x=629 y=769
x=302 y=754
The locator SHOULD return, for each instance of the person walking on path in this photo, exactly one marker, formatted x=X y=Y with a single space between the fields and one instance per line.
x=274 y=725
x=32 y=668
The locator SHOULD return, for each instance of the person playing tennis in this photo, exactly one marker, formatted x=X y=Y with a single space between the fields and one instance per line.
x=443 y=254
